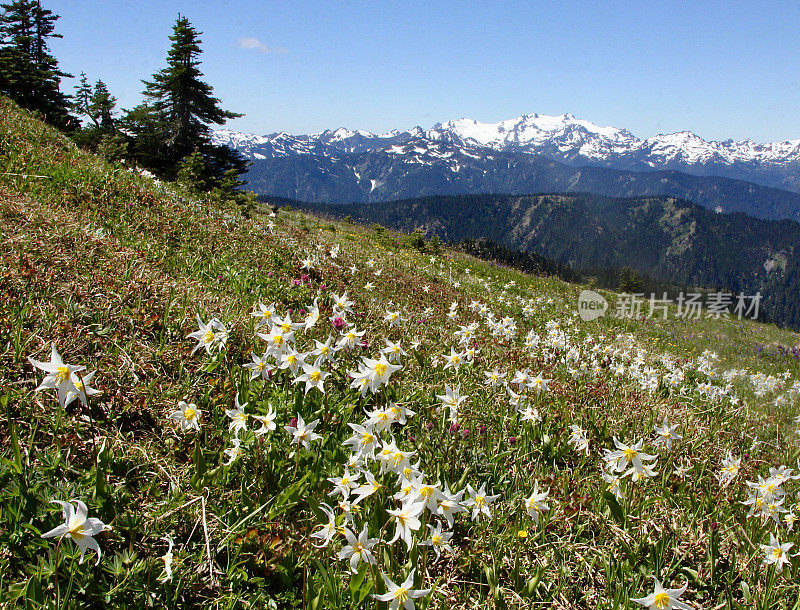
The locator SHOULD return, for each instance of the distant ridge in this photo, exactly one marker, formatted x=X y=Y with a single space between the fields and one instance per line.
x=564 y=138
x=529 y=154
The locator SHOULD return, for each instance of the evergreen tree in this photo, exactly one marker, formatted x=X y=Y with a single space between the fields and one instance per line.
x=629 y=281
x=29 y=74
x=173 y=123
x=102 y=106
x=83 y=93
x=98 y=107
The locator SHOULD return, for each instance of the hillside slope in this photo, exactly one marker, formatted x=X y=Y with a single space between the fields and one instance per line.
x=667 y=239
x=115 y=269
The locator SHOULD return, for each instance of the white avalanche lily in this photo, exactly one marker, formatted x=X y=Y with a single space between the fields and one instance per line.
x=536 y=504
x=479 y=501
x=401 y=594
x=358 y=549
x=439 y=540
x=167 y=558
x=775 y=553
x=267 y=422
x=59 y=376
x=78 y=527
x=84 y=389
x=663 y=599
x=303 y=434
x=188 y=416
x=238 y=417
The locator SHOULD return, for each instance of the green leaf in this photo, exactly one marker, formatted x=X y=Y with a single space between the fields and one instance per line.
x=745 y=591
x=199 y=466
x=614 y=507
x=17 y=463
x=357 y=579
x=100 y=487
x=34 y=596
x=288 y=498
x=366 y=589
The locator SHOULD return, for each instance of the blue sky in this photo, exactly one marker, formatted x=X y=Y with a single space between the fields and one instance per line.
x=720 y=69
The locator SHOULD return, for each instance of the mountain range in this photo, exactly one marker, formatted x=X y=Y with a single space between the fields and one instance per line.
x=532 y=153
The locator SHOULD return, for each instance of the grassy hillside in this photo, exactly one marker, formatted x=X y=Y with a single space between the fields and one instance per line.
x=113 y=269
x=669 y=240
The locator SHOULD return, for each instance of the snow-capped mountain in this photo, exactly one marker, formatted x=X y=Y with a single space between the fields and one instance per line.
x=564 y=138
x=530 y=154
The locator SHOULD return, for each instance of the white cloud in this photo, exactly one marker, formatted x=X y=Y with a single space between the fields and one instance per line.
x=255 y=43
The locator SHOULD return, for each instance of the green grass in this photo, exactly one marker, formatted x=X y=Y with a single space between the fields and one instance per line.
x=113 y=268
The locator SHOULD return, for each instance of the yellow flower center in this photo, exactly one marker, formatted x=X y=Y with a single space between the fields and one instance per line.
x=315 y=376
x=189 y=414
x=426 y=491
x=436 y=539
x=62 y=374
x=367 y=438
x=401 y=593
x=261 y=366
x=208 y=336
x=277 y=340
x=630 y=454
x=662 y=600
x=324 y=350
x=79 y=385
x=480 y=500
x=76 y=528
x=380 y=369
x=777 y=553
x=286 y=327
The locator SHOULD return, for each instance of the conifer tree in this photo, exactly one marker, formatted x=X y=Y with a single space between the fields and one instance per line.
x=80 y=100
x=29 y=74
x=173 y=123
x=102 y=106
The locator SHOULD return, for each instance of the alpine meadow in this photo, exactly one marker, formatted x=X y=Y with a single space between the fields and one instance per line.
x=212 y=398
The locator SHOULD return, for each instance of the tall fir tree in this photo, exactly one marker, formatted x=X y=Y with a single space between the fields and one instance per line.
x=96 y=107
x=81 y=97
x=29 y=74
x=102 y=106
x=171 y=128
